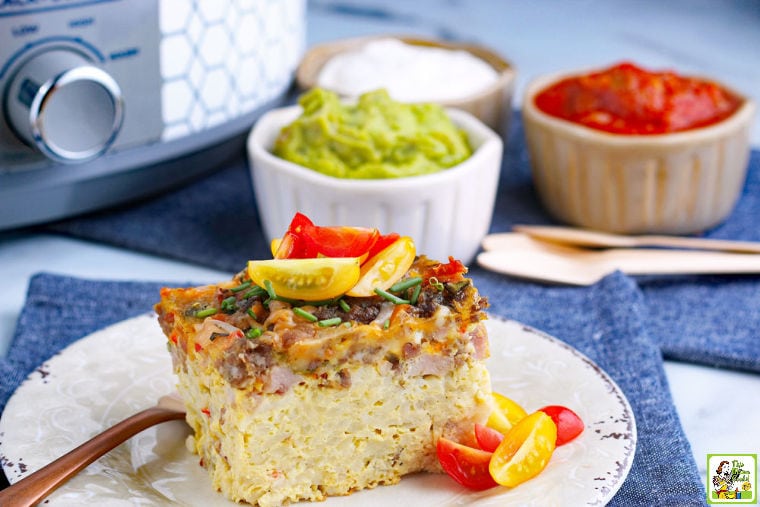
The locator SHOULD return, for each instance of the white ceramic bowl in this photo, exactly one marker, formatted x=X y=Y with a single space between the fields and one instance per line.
x=446 y=213
x=677 y=183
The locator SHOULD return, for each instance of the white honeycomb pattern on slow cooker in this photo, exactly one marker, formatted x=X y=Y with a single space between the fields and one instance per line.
x=222 y=59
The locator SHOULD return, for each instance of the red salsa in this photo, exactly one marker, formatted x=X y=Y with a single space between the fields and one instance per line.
x=626 y=99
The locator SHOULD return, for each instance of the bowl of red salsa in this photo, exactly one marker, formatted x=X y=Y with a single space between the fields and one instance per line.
x=630 y=150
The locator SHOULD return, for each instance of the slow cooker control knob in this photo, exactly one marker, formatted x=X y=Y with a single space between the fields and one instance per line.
x=66 y=107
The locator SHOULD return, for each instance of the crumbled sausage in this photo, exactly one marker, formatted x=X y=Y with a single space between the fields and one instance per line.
x=244 y=361
x=364 y=311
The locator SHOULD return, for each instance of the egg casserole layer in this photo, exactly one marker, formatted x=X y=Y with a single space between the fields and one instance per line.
x=286 y=408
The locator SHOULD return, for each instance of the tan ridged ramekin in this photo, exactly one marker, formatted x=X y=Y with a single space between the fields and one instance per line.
x=677 y=183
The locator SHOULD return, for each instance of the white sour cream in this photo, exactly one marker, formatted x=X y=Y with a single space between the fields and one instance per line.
x=410 y=73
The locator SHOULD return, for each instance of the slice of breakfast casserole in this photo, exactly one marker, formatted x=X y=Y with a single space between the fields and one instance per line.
x=345 y=388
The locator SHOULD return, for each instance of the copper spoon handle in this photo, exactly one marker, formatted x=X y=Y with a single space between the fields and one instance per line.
x=33 y=488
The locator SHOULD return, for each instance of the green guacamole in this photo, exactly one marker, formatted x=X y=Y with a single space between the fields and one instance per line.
x=375 y=138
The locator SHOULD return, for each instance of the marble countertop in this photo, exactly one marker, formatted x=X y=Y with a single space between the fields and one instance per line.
x=537 y=36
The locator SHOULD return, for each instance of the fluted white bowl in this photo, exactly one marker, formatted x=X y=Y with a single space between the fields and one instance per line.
x=675 y=183
x=446 y=213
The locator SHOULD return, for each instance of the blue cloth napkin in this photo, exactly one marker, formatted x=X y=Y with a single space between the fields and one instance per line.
x=605 y=322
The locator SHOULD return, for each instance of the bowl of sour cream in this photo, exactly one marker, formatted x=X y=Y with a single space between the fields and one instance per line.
x=465 y=76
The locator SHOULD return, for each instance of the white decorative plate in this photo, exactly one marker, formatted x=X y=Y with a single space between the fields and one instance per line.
x=117 y=371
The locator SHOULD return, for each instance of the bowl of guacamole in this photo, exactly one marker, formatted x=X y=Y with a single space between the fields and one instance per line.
x=418 y=169
x=372 y=138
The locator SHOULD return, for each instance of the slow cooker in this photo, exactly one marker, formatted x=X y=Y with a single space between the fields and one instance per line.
x=104 y=101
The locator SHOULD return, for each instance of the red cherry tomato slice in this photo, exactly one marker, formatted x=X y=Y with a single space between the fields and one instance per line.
x=452 y=271
x=466 y=465
x=488 y=438
x=292 y=245
x=569 y=425
x=341 y=241
x=304 y=240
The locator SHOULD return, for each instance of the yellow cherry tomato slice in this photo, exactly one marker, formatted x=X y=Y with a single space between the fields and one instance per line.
x=506 y=413
x=274 y=245
x=385 y=268
x=525 y=450
x=307 y=279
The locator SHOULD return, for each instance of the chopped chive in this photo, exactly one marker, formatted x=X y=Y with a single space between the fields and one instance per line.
x=344 y=306
x=252 y=314
x=330 y=322
x=270 y=289
x=433 y=281
x=346 y=324
x=242 y=286
x=416 y=294
x=386 y=324
x=228 y=305
x=205 y=313
x=405 y=284
x=455 y=287
x=254 y=332
x=390 y=297
x=306 y=315
x=294 y=302
x=255 y=291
